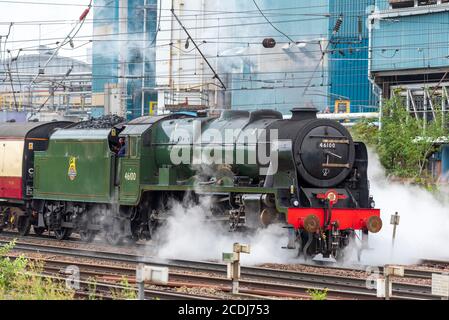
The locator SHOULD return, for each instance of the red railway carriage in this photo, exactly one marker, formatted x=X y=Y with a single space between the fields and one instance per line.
x=18 y=141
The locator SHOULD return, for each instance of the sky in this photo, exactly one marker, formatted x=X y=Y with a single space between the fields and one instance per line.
x=50 y=23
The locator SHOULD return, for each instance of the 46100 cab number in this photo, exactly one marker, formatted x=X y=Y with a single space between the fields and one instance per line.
x=328 y=145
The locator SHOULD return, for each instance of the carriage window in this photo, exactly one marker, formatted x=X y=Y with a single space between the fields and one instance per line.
x=398 y=4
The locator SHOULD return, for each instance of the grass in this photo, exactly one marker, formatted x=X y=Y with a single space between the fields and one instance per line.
x=21 y=279
x=316 y=294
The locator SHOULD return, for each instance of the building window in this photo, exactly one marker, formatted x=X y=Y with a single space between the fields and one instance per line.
x=397 y=4
x=427 y=2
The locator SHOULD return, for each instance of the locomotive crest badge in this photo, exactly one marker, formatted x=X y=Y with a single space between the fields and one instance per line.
x=72 y=168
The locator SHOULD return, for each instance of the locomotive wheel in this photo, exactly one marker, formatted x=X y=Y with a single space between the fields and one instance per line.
x=135 y=234
x=113 y=238
x=63 y=233
x=153 y=226
x=24 y=225
x=39 y=230
x=87 y=235
x=131 y=240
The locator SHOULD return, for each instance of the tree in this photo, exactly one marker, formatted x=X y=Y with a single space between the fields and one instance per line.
x=404 y=142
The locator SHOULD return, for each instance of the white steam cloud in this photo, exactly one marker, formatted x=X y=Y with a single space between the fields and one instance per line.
x=423 y=231
x=187 y=236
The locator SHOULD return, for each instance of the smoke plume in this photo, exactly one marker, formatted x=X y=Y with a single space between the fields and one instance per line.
x=424 y=222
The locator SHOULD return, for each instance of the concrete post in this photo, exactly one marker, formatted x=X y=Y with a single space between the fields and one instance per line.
x=140 y=281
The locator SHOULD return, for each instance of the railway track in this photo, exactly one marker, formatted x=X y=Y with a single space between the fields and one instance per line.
x=103 y=289
x=408 y=272
x=255 y=281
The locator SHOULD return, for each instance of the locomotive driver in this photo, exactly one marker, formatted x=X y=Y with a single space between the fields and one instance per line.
x=121 y=147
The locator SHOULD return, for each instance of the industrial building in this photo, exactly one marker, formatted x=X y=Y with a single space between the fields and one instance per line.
x=145 y=59
x=311 y=64
x=123 y=57
x=409 y=56
x=62 y=89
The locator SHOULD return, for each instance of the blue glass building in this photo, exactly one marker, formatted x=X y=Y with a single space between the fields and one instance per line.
x=287 y=76
x=348 y=57
x=340 y=74
x=123 y=53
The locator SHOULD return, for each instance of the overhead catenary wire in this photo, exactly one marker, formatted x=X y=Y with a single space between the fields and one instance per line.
x=12 y=86
x=347 y=59
x=345 y=85
x=429 y=45
x=391 y=34
x=8 y=65
x=158 y=27
x=66 y=40
x=216 y=76
x=302 y=71
x=216 y=12
x=271 y=24
x=165 y=18
x=15 y=59
x=59 y=84
x=336 y=29
x=3 y=50
x=434 y=45
x=65 y=4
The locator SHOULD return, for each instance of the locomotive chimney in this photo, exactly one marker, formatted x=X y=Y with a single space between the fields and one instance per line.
x=300 y=114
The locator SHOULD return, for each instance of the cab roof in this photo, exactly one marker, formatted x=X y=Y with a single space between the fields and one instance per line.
x=141 y=125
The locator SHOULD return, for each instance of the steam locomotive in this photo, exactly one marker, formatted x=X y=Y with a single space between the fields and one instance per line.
x=255 y=169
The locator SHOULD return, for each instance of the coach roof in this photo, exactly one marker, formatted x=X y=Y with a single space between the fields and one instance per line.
x=20 y=129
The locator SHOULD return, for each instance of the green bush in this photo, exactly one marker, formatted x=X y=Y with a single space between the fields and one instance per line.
x=125 y=292
x=92 y=288
x=404 y=142
x=21 y=279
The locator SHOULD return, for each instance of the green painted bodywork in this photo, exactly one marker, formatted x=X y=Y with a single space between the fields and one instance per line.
x=150 y=168
x=94 y=167
x=147 y=165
